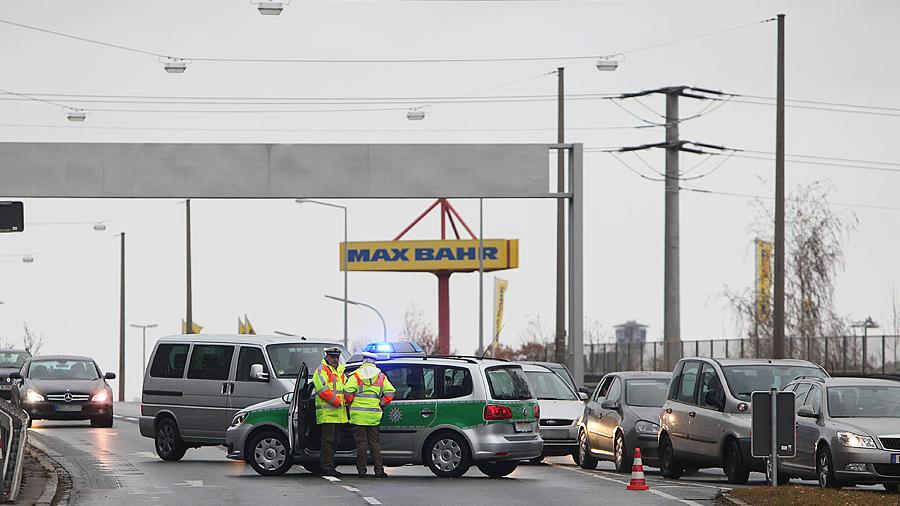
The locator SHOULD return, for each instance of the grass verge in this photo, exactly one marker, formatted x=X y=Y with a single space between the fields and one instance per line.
x=796 y=495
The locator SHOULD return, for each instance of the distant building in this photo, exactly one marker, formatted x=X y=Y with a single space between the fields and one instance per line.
x=631 y=332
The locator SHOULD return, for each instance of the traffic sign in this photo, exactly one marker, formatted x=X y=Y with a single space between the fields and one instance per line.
x=12 y=216
x=761 y=425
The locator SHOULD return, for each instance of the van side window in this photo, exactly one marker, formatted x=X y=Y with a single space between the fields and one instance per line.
x=210 y=362
x=676 y=377
x=169 y=361
x=248 y=356
x=457 y=382
x=688 y=382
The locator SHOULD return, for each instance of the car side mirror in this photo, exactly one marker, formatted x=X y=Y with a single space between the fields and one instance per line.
x=806 y=412
x=613 y=405
x=257 y=373
x=15 y=375
x=583 y=396
x=287 y=397
x=110 y=376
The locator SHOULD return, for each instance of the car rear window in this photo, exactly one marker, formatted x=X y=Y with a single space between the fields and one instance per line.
x=508 y=383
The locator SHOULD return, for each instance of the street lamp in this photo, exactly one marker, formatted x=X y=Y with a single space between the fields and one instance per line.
x=76 y=115
x=27 y=259
x=174 y=65
x=144 y=328
x=607 y=64
x=415 y=114
x=270 y=8
x=357 y=303
x=343 y=260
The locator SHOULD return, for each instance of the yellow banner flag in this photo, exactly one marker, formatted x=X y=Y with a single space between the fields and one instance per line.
x=500 y=287
x=763 y=280
x=248 y=329
x=196 y=328
x=241 y=328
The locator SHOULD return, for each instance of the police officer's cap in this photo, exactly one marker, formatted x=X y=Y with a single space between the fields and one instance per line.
x=334 y=350
x=369 y=355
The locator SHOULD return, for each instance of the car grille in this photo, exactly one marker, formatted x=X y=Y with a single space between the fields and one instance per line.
x=890 y=443
x=555 y=422
x=73 y=397
x=888 y=469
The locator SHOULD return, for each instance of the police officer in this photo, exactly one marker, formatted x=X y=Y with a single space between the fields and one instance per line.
x=331 y=412
x=367 y=391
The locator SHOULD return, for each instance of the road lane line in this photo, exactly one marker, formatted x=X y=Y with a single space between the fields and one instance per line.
x=331 y=478
x=351 y=489
x=683 y=483
x=117 y=416
x=600 y=477
x=371 y=500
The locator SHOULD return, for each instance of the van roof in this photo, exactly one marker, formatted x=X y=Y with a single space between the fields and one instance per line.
x=245 y=339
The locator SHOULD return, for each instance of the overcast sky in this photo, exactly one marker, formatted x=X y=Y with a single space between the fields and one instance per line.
x=274 y=260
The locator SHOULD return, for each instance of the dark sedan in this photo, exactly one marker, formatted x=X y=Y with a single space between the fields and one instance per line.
x=64 y=388
x=10 y=361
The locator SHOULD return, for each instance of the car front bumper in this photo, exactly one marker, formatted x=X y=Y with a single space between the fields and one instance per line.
x=878 y=467
x=66 y=411
x=648 y=443
x=235 y=439
x=559 y=440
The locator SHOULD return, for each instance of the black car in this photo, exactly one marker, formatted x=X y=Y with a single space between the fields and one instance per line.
x=10 y=361
x=62 y=387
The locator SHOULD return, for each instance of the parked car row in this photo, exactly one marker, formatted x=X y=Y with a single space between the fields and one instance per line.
x=699 y=416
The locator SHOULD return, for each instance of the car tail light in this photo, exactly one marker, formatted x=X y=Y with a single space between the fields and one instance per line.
x=537 y=411
x=495 y=412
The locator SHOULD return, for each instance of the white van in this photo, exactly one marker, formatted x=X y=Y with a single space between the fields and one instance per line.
x=195 y=384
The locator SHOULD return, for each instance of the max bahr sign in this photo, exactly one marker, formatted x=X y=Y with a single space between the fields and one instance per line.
x=430 y=256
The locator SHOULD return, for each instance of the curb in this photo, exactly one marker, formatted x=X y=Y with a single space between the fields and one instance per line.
x=728 y=499
x=52 y=488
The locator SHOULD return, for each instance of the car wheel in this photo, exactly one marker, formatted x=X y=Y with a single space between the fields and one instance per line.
x=622 y=460
x=586 y=460
x=497 y=469
x=890 y=487
x=825 y=469
x=169 y=445
x=669 y=466
x=269 y=455
x=733 y=464
x=447 y=455
x=104 y=421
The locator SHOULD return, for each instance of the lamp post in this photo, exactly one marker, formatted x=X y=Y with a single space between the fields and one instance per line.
x=144 y=328
x=343 y=260
x=357 y=303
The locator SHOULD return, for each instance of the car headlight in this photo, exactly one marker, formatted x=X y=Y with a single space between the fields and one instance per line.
x=645 y=427
x=855 y=440
x=101 y=396
x=32 y=395
x=238 y=419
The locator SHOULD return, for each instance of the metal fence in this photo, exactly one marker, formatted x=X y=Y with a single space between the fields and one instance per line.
x=13 y=439
x=839 y=355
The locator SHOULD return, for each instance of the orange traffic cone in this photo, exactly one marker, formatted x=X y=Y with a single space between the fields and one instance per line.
x=637 y=473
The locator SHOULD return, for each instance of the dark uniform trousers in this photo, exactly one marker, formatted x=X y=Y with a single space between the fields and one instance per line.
x=368 y=438
x=326 y=452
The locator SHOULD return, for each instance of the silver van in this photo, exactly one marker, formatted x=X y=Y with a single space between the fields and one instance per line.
x=195 y=384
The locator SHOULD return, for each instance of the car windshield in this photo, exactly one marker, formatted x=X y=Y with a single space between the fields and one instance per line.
x=864 y=402
x=13 y=358
x=62 y=369
x=743 y=380
x=563 y=373
x=646 y=392
x=508 y=383
x=286 y=358
x=548 y=386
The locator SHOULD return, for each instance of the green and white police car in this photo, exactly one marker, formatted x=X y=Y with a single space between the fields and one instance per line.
x=448 y=413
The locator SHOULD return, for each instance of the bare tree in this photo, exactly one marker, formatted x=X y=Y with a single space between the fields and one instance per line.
x=32 y=340
x=814 y=256
x=416 y=328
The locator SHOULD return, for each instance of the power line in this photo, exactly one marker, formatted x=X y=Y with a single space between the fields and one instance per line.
x=822 y=102
x=822 y=163
x=377 y=60
x=767 y=197
x=317 y=130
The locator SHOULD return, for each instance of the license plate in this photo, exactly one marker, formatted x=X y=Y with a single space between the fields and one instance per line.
x=68 y=407
x=895 y=458
x=524 y=427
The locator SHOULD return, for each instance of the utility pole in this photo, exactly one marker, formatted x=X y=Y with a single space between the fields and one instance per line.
x=560 y=354
x=671 y=275
x=122 y=317
x=778 y=310
x=189 y=317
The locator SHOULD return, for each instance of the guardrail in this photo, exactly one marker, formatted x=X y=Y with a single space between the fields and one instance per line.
x=13 y=439
x=839 y=355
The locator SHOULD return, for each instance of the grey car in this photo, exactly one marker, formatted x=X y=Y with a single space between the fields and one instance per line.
x=621 y=415
x=848 y=432
x=706 y=419
x=561 y=408
x=10 y=361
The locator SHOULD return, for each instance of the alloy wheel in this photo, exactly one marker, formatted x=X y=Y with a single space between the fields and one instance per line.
x=824 y=469
x=446 y=454
x=619 y=451
x=269 y=453
x=166 y=441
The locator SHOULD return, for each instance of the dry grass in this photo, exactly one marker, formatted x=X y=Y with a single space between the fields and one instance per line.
x=795 y=495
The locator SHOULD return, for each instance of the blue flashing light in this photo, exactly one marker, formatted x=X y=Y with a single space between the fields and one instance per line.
x=379 y=348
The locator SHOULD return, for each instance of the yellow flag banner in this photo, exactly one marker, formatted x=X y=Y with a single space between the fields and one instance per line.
x=196 y=328
x=500 y=287
x=241 y=328
x=763 y=280
x=248 y=329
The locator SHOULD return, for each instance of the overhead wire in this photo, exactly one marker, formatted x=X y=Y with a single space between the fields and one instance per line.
x=317 y=130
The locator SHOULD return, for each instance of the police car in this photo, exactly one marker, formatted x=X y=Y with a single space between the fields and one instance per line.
x=448 y=414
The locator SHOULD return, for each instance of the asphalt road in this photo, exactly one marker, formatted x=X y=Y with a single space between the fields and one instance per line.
x=118 y=466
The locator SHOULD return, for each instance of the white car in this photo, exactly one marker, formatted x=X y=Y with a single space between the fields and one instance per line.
x=561 y=408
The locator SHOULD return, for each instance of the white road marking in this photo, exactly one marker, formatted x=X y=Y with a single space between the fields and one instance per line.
x=351 y=489
x=683 y=484
x=652 y=491
x=371 y=500
x=117 y=416
x=194 y=483
x=146 y=455
x=331 y=478
x=131 y=418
